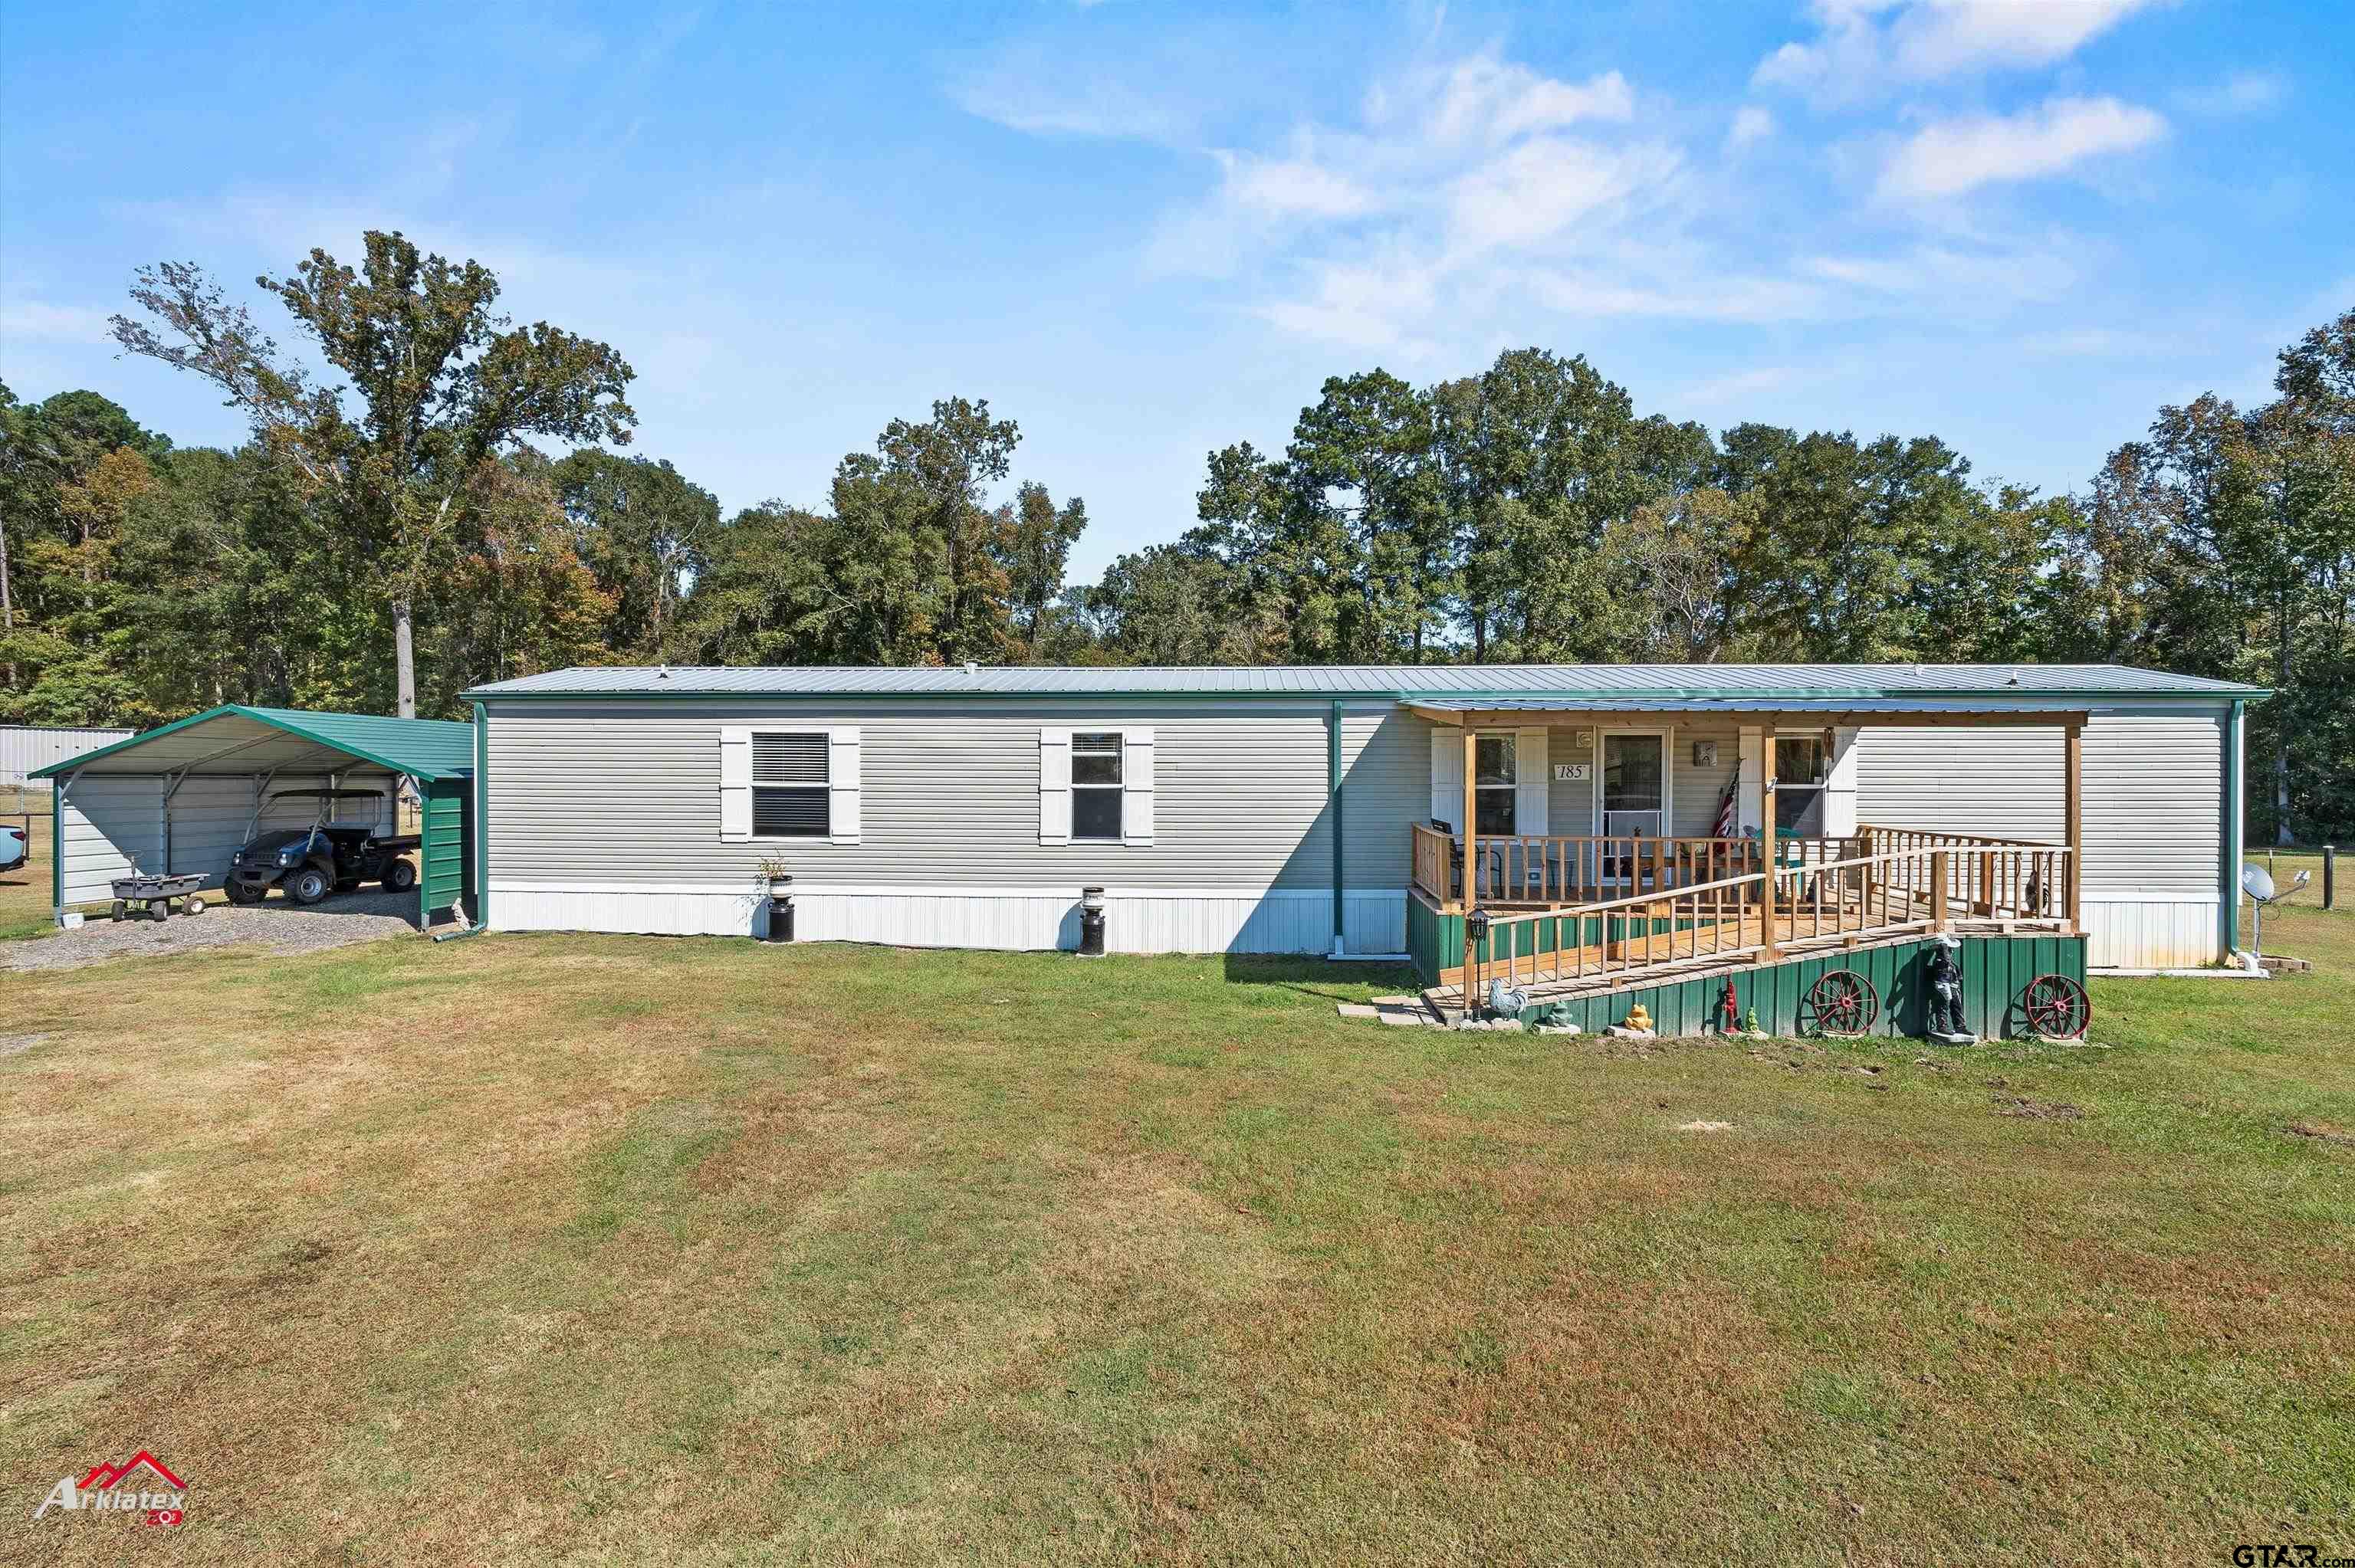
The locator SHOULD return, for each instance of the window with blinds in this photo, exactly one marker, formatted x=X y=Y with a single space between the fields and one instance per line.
x=1096 y=785
x=789 y=784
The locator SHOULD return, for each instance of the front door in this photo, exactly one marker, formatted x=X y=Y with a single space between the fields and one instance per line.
x=1635 y=793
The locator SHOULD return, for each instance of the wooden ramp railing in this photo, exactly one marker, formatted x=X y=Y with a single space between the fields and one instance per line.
x=1759 y=916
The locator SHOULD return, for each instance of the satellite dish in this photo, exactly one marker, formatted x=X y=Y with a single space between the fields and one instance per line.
x=2256 y=882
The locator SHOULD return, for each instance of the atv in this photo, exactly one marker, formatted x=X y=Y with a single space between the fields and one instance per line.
x=326 y=857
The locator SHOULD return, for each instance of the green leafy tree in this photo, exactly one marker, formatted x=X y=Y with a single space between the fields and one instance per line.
x=435 y=386
x=643 y=530
x=1035 y=537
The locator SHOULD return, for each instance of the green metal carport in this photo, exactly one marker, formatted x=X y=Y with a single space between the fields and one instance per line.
x=182 y=798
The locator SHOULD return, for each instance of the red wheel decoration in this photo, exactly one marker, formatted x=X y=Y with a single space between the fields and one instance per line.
x=2056 y=1008
x=1843 y=1004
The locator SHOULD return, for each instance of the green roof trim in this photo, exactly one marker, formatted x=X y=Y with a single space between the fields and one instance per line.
x=422 y=749
x=1500 y=685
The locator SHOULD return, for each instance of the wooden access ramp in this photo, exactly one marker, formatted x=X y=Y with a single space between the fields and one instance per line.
x=1687 y=997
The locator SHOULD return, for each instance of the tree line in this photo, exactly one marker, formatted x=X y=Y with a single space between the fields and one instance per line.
x=395 y=531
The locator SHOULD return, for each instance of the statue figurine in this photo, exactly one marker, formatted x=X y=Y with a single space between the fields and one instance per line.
x=1945 y=977
x=1729 y=1010
x=1638 y=1020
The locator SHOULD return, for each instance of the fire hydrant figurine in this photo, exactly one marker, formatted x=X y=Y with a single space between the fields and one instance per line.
x=1947 y=1021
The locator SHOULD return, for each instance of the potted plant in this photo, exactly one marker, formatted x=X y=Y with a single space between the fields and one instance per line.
x=780 y=882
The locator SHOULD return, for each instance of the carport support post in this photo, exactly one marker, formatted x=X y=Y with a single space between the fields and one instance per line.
x=58 y=850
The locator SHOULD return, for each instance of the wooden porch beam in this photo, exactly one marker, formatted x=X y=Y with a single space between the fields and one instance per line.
x=1471 y=856
x=1580 y=718
x=1766 y=828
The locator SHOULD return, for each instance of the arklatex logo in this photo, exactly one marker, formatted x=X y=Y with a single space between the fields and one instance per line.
x=101 y=1492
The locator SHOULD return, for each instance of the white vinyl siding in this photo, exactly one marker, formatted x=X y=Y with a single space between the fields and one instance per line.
x=624 y=793
x=2154 y=796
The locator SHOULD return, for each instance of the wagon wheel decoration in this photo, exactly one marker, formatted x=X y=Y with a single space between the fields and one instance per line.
x=1843 y=1004
x=2056 y=1007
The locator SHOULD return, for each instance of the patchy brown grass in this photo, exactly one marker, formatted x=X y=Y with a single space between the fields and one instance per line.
x=613 y=1250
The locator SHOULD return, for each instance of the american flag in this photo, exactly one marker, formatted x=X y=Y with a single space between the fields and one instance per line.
x=1725 y=814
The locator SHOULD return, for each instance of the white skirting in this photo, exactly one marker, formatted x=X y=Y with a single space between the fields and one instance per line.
x=2151 y=933
x=1137 y=920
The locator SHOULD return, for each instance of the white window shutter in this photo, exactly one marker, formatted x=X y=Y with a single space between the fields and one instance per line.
x=1533 y=782
x=1448 y=775
x=1136 y=786
x=842 y=784
x=1054 y=786
x=735 y=785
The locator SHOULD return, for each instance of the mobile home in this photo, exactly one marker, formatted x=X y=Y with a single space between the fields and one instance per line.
x=1348 y=810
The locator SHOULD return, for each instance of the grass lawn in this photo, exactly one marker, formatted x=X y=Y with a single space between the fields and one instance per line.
x=25 y=909
x=610 y=1250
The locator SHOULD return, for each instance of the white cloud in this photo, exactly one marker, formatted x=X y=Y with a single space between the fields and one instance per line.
x=1287 y=187
x=1541 y=187
x=1750 y=124
x=1949 y=157
x=1490 y=100
x=34 y=320
x=1864 y=46
x=1990 y=277
x=2243 y=92
x=1735 y=297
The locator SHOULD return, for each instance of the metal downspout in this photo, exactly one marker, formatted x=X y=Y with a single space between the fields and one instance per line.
x=2230 y=926
x=482 y=845
x=1332 y=795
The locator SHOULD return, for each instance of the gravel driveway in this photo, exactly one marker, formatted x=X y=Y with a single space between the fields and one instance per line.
x=276 y=924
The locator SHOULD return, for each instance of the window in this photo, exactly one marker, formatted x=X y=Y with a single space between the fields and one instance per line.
x=789 y=784
x=1095 y=785
x=1495 y=775
x=1802 y=764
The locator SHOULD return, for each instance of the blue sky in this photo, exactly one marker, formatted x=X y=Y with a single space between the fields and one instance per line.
x=1146 y=230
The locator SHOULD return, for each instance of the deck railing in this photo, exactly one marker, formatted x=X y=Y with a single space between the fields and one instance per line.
x=1561 y=868
x=1758 y=914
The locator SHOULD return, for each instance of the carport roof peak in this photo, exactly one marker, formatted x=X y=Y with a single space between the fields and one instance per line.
x=237 y=739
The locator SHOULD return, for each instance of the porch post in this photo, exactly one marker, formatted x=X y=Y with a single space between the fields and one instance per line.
x=2073 y=809
x=1471 y=849
x=1766 y=828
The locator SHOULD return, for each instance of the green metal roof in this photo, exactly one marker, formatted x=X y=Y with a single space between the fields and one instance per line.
x=241 y=739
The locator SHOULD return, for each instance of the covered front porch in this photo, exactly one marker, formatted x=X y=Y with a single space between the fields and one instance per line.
x=1783 y=869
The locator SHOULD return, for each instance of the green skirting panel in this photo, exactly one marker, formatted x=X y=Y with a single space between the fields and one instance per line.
x=1996 y=970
